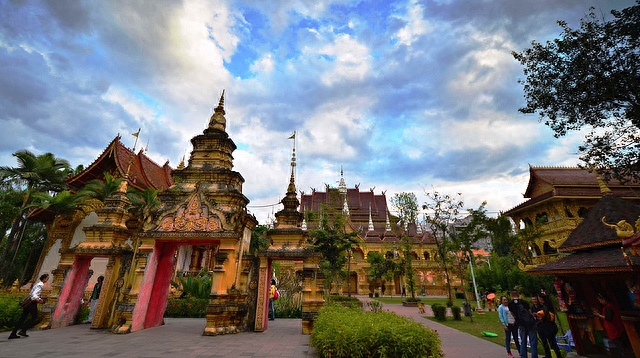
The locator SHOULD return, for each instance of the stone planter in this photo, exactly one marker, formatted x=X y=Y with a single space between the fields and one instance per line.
x=409 y=304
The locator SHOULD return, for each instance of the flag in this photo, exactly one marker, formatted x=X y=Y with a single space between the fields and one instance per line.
x=293 y=136
x=136 y=134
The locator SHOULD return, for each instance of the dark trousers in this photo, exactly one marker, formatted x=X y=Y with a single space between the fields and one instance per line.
x=547 y=332
x=31 y=309
x=511 y=331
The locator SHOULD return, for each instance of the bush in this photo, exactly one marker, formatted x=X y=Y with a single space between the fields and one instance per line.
x=194 y=286
x=376 y=295
x=348 y=332
x=345 y=301
x=455 y=310
x=439 y=311
x=188 y=307
x=10 y=310
x=460 y=295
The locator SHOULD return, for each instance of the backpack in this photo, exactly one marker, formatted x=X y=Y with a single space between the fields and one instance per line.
x=276 y=294
x=525 y=318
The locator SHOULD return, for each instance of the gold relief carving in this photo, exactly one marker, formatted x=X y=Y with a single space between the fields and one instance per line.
x=193 y=217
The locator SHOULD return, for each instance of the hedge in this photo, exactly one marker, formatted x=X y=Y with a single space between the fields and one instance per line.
x=351 y=332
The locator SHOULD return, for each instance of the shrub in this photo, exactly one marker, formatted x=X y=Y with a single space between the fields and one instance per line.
x=455 y=310
x=376 y=294
x=370 y=294
x=194 y=286
x=348 y=332
x=188 y=307
x=345 y=301
x=375 y=306
x=439 y=311
x=10 y=310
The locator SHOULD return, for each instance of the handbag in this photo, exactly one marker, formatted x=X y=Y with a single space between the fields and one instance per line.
x=25 y=302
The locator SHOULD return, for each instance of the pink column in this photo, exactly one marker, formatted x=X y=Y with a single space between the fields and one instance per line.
x=146 y=286
x=71 y=294
x=161 y=285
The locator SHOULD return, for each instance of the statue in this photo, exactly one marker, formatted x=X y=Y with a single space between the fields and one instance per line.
x=624 y=230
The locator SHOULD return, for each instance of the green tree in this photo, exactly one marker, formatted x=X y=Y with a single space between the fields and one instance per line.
x=406 y=204
x=101 y=189
x=259 y=239
x=590 y=78
x=333 y=242
x=143 y=202
x=41 y=173
x=502 y=235
x=442 y=210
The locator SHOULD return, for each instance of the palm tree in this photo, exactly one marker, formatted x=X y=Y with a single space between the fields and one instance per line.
x=99 y=189
x=42 y=173
x=62 y=205
x=143 y=201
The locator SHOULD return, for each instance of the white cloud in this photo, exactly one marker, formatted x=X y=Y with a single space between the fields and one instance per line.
x=264 y=65
x=352 y=60
x=416 y=26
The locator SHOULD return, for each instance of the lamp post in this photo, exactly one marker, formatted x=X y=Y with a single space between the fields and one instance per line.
x=473 y=277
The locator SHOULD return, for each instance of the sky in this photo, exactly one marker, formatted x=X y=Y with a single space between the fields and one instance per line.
x=403 y=96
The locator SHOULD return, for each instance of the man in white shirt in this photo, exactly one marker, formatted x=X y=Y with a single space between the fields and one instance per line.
x=31 y=309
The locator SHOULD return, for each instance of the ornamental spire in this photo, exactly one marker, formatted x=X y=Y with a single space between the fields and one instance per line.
x=604 y=189
x=342 y=187
x=217 y=120
x=371 y=228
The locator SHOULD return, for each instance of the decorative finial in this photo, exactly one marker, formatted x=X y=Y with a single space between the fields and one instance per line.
x=604 y=189
x=342 y=187
x=217 y=120
x=181 y=165
x=371 y=228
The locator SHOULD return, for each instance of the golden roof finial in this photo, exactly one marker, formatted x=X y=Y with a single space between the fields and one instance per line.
x=181 y=165
x=604 y=189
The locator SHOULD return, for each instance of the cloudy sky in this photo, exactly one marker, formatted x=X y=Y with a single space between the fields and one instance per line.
x=403 y=95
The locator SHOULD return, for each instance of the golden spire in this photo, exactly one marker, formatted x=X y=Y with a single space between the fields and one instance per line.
x=181 y=165
x=604 y=189
x=217 y=120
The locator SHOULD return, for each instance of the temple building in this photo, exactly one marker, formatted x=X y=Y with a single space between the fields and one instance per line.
x=558 y=199
x=201 y=223
x=368 y=214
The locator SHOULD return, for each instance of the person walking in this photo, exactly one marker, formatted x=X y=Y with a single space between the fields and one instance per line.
x=95 y=295
x=509 y=323
x=547 y=328
x=30 y=310
x=526 y=324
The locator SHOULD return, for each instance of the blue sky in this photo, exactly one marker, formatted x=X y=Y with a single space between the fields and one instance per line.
x=403 y=95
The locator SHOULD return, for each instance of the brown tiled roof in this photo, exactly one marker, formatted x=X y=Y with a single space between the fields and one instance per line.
x=358 y=202
x=143 y=172
x=591 y=232
x=569 y=182
x=597 y=261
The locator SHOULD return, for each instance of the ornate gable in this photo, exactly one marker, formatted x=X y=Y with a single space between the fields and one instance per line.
x=193 y=215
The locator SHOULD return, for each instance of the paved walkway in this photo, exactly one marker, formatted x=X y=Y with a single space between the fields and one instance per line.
x=182 y=337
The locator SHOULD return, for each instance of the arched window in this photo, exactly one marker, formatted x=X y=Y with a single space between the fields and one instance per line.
x=582 y=212
x=427 y=255
x=542 y=218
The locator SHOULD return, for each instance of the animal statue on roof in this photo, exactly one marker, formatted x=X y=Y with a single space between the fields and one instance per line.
x=623 y=229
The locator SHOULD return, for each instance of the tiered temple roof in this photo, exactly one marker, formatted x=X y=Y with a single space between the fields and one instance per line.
x=143 y=172
x=363 y=205
x=546 y=183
